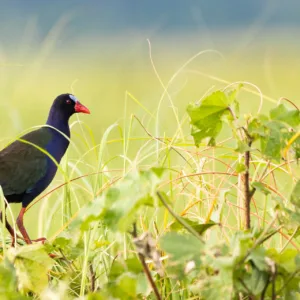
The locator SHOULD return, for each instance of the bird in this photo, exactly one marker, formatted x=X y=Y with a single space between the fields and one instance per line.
x=29 y=164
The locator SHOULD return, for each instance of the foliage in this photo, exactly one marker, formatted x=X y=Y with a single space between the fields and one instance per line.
x=167 y=220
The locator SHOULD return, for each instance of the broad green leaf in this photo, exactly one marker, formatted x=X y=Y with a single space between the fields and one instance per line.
x=258 y=258
x=116 y=270
x=200 y=228
x=143 y=286
x=260 y=187
x=271 y=145
x=134 y=265
x=240 y=244
x=287 y=259
x=125 y=286
x=32 y=265
x=295 y=196
x=274 y=133
x=123 y=201
x=69 y=242
x=257 y=282
x=118 y=207
x=282 y=113
x=208 y=127
x=214 y=287
x=8 y=283
x=181 y=247
x=206 y=118
x=89 y=213
x=212 y=104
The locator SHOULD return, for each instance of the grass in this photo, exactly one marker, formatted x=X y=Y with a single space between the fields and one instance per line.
x=138 y=120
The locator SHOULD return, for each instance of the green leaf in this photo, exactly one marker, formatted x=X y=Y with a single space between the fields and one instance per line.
x=63 y=240
x=242 y=147
x=282 y=113
x=260 y=187
x=116 y=270
x=118 y=207
x=207 y=127
x=181 y=247
x=241 y=243
x=257 y=282
x=158 y=171
x=123 y=201
x=287 y=259
x=240 y=168
x=134 y=265
x=271 y=145
x=125 y=286
x=200 y=228
x=91 y=212
x=214 y=287
x=127 y=283
x=295 y=196
x=32 y=265
x=97 y=296
x=8 y=283
x=143 y=286
x=256 y=127
x=206 y=118
x=258 y=257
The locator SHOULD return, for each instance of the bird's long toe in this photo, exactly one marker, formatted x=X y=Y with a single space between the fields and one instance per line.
x=42 y=239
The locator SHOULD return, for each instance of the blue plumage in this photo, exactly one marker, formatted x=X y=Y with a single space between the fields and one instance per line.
x=28 y=165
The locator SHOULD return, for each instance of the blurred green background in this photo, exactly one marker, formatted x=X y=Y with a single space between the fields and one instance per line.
x=98 y=50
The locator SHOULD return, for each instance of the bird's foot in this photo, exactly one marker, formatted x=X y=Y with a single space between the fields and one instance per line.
x=42 y=239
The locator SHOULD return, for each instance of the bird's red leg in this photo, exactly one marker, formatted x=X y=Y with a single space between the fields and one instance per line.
x=21 y=226
x=10 y=229
x=23 y=230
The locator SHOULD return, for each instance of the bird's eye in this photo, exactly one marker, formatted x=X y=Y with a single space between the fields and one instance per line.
x=68 y=101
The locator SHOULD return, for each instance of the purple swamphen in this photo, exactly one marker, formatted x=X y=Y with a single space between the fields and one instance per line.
x=25 y=170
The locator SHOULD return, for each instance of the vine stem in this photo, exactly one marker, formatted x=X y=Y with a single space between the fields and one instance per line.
x=247 y=192
x=146 y=268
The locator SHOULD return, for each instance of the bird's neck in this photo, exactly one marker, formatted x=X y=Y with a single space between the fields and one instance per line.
x=59 y=143
x=59 y=121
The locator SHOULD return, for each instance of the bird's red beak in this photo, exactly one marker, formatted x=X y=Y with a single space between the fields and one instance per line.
x=79 y=108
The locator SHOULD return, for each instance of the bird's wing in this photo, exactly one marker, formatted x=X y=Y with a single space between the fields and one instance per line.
x=22 y=165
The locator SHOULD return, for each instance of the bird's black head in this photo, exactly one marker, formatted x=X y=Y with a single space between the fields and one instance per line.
x=68 y=104
x=63 y=107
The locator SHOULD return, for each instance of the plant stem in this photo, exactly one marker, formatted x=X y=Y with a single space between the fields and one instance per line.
x=146 y=268
x=178 y=218
x=263 y=294
x=93 y=278
x=247 y=193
